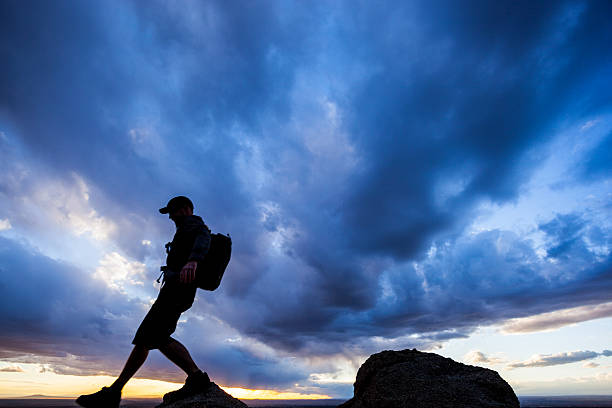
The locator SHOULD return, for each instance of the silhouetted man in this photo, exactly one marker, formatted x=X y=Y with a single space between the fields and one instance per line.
x=188 y=247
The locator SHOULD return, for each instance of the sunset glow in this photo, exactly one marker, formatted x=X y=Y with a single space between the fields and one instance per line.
x=31 y=381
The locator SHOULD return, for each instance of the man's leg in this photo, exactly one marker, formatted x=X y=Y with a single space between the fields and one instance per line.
x=136 y=359
x=197 y=381
x=178 y=354
x=110 y=397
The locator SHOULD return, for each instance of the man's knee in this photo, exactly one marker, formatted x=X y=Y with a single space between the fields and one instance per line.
x=167 y=344
x=140 y=349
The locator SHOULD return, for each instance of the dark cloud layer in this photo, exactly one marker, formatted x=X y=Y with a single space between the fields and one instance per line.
x=53 y=314
x=49 y=308
x=346 y=147
x=599 y=163
x=466 y=105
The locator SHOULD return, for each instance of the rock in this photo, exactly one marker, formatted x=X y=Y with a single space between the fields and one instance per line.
x=214 y=397
x=413 y=379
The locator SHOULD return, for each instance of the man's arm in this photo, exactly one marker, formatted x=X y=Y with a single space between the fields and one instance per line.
x=201 y=245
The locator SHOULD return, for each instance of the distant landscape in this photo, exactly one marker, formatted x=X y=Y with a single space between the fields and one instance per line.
x=581 y=401
x=151 y=403
x=576 y=401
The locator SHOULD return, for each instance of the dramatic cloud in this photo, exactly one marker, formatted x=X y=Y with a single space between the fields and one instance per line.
x=478 y=357
x=5 y=224
x=11 y=369
x=117 y=271
x=561 y=358
x=599 y=162
x=75 y=325
x=557 y=319
x=349 y=149
x=61 y=310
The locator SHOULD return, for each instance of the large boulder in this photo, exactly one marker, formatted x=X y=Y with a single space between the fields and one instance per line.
x=214 y=397
x=412 y=379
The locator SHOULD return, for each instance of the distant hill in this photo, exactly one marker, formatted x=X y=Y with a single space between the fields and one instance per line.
x=39 y=396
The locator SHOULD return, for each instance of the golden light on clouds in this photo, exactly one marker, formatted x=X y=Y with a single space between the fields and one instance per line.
x=557 y=319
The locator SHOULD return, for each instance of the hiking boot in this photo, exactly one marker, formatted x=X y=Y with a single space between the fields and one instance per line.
x=196 y=383
x=105 y=398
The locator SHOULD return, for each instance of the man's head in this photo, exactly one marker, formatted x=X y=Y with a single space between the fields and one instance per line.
x=178 y=206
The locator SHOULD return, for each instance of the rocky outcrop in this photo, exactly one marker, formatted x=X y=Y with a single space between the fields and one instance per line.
x=214 y=397
x=412 y=379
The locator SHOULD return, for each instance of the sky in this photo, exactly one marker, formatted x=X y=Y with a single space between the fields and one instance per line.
x=400 y=174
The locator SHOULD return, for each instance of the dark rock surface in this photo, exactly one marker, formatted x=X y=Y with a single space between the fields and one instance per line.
x=214 y=397
x=413 y=379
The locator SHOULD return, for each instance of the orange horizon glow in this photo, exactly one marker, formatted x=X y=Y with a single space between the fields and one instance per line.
x=247 y=394
x=31 y=381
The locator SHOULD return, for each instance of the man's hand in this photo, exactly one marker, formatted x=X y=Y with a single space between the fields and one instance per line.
x=188 y=272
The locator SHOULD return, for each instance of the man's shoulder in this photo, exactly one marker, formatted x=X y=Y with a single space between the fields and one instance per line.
x=195 y=223
x=195 y=219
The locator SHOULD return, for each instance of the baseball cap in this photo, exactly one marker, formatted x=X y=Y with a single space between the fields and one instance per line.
x=175 y=203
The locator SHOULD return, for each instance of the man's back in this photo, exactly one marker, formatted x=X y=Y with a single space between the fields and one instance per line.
x=190 y=243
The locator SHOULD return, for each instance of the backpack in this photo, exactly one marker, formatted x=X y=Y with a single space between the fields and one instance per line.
x=210 y=271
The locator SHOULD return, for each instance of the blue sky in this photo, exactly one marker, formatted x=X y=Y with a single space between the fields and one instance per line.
x=426 y=174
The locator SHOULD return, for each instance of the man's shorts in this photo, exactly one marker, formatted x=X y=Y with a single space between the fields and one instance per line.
x=174 y=298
